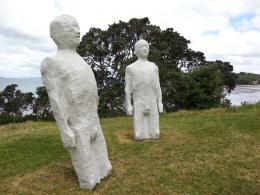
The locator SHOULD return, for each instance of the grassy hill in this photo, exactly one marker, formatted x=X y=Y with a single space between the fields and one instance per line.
x=213 y=151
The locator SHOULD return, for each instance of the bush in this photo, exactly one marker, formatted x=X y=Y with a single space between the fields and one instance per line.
x=6 y=119
x=33 y=117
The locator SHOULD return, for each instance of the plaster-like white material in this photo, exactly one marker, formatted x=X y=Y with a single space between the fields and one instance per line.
x=72 y=91
x=142 y=84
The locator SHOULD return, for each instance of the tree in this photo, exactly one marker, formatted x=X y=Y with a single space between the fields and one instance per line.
x=109 y=51
x=228 y=76
x=15 y=102
x=41 y=105
x=204 y=87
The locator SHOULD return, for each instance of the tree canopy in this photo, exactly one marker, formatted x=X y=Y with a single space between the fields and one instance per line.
x=15 y=102
x=109 y=51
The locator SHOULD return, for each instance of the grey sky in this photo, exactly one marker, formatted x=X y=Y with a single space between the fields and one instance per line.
x=225 y=30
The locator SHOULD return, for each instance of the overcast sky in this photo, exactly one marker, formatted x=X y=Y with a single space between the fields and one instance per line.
x=228 y=30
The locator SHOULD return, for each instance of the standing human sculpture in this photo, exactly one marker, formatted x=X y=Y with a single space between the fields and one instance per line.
x=142 y=84
x=73 y=96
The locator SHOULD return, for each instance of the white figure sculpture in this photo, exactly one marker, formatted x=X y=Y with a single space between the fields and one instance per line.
x=72 y=91
x=142 y=84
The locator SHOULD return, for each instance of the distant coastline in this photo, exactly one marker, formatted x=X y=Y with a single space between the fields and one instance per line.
x=242 y=93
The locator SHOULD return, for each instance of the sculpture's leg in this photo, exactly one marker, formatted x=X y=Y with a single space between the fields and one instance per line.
x=100 y=149
x=83 y=161
x=138 y=121
x=138 y=126
x=154 y=124
x=146 y=131
x=142 y=126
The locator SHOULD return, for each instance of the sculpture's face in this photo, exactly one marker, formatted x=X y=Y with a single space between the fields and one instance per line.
x=72 y=34
x=142 y=49
x=65 y=32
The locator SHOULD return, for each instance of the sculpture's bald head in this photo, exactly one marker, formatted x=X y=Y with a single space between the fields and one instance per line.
x=64 y=30
x=141 y=48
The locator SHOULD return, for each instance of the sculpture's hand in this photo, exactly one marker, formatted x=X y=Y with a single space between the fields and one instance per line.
x=68 y=139
x=93 y=134
x=160 y=107
x=130 y=110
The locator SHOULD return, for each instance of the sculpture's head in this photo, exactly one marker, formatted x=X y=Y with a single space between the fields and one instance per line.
x=141 y=49
x=64 y=30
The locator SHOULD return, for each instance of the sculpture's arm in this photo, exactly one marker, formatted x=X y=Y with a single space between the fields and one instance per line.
x=51 y=82
x=159 y=91
x=128 y=91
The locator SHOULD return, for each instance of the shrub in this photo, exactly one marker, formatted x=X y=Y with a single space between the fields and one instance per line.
x=5 y=119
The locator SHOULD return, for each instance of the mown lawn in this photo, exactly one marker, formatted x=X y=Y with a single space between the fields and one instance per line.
x=213 y=151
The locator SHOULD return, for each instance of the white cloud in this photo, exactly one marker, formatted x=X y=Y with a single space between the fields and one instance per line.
x=24 y=27
x=240 y=48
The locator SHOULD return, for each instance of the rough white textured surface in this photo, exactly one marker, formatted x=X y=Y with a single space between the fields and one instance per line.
x=72 y=91
x=142 y=84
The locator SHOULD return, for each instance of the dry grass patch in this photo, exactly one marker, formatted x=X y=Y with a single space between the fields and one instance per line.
x=124 y=136
x=51 y=179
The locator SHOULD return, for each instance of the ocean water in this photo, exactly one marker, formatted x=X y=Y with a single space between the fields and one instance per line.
x=242 y=93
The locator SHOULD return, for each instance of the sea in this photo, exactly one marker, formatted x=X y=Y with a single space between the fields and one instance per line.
x=244 y=94
x=241 y=94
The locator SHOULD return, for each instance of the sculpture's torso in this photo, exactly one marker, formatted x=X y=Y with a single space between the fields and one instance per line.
x=143 y=81
x=79 y=89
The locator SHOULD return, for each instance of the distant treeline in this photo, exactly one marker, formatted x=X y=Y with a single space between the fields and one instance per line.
x=244 y=78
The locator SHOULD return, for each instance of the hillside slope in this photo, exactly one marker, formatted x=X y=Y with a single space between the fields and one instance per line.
x=213 y=151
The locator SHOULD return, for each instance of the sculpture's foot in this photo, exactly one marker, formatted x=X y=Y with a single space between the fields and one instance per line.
x=156 y=135
x=137 y=138
x=90 y=185
x=109 y=171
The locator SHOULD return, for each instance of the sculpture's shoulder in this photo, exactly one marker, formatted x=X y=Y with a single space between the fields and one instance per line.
x=154 y=65
x=47 y=64
x=130 y=68
x=50 y=65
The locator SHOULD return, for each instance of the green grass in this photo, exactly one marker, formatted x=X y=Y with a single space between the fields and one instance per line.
x=214 y=151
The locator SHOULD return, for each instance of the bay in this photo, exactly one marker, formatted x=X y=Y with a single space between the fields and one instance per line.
x=244 y=93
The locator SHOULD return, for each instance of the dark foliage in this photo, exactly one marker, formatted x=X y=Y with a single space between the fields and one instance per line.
x=41 y=106
x=15 y=102
x=6 y=119
x=244 y=78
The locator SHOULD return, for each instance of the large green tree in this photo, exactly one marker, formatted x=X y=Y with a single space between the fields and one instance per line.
x=109 y=52
x=228 y=76
x=204 y=87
